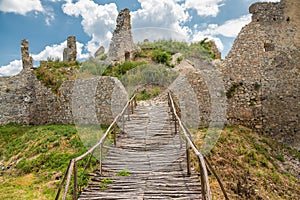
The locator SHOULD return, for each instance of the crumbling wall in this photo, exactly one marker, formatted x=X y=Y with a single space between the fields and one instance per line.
x=16 y=92
x=122 y=47
x=74 y=100
x=69 y=54
x=25 y=100
x=262 y=72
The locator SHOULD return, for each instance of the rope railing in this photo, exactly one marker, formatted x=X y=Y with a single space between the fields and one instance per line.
x=72 y=167
x=202 y=160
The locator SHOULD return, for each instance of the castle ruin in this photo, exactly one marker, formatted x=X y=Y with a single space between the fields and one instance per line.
x=262 y=72
x=261 y=75
x=122 y=47
x=69 y=54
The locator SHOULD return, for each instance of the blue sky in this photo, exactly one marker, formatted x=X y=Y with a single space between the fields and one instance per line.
x=48 y=23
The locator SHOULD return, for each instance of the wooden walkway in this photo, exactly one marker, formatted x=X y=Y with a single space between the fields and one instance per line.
x=153 y=155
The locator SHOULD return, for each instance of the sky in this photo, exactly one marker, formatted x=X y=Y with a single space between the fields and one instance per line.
x=47 y=24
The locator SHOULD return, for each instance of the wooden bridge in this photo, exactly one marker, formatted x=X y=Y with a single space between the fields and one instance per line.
x=152 y=152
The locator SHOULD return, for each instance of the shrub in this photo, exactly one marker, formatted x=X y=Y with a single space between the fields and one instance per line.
x=53 y=73
x=162 y=57
x=120 y=69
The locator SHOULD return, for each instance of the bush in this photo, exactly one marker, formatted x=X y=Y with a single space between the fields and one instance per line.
x=53 y=73
x=120 y=69
x=162 y=57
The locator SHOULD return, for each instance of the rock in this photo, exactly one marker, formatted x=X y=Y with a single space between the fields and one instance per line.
x=26 y=58
x=122 y=46
x=100 y=51
x=57 y=176
x=214 y=49
x=70 y=52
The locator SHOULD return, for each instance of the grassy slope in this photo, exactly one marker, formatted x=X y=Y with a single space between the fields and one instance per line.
x=250 y=165
x=253 y=166
x=38 y=156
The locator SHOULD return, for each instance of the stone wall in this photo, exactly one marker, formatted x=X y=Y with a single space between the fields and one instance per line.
x=122 y=47
x=69 y=54
x=25 y=100
x=262 y=72
x=16 y=97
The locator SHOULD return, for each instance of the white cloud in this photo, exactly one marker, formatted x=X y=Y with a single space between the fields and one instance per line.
x=230 y=29
x=13 y=68
x=21 y=7
x=198 y=36
x=167 y=14
x=253 y=1
x=204 y=7
x=54 y=51
x=97 y=20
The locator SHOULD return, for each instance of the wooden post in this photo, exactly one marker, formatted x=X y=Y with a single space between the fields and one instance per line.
x=128 y=113
x=217 y=177
x=188 y=159
x=123 y=124
x=202 y=178
x=101 y=145
x=169 y=103
x=115 y=135
x=62 y=182
x=88 y=162
x=180 y=139
x=175 y=121
x=75 y=182
x=69 y=176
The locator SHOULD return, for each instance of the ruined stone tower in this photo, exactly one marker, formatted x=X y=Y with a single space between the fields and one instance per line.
x=26 y=58
x=70 y=52
x=262 y=72
x=122 y=47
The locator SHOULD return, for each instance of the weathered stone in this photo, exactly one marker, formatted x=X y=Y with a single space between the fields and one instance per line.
x=265 y=57
x=70 y=52
x=99 y=52
x=122 y=47
x=26 y=58
x=260 y=73
x=214 y=49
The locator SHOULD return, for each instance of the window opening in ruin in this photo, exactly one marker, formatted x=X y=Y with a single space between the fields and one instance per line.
x=127 y=56
x=269 y=46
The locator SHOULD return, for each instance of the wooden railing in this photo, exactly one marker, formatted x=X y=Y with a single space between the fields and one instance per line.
x=202 y=160
x=72 y=168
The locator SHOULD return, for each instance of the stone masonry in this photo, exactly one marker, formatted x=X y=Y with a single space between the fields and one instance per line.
x=26 y=58
x=262 y=72
x=69 y=54
x=122 y=47
x=260 y=75
x=25 y=100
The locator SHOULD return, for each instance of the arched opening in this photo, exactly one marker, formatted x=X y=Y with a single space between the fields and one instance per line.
x=127 y=55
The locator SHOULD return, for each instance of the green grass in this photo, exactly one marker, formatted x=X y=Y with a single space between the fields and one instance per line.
x=199 y=49
x=105 y=182
x=52 y=73
x=38 y=154
x=119 y=70
x=148 y=93
x=247 y=162
x=124 y=172
x=162 y=57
